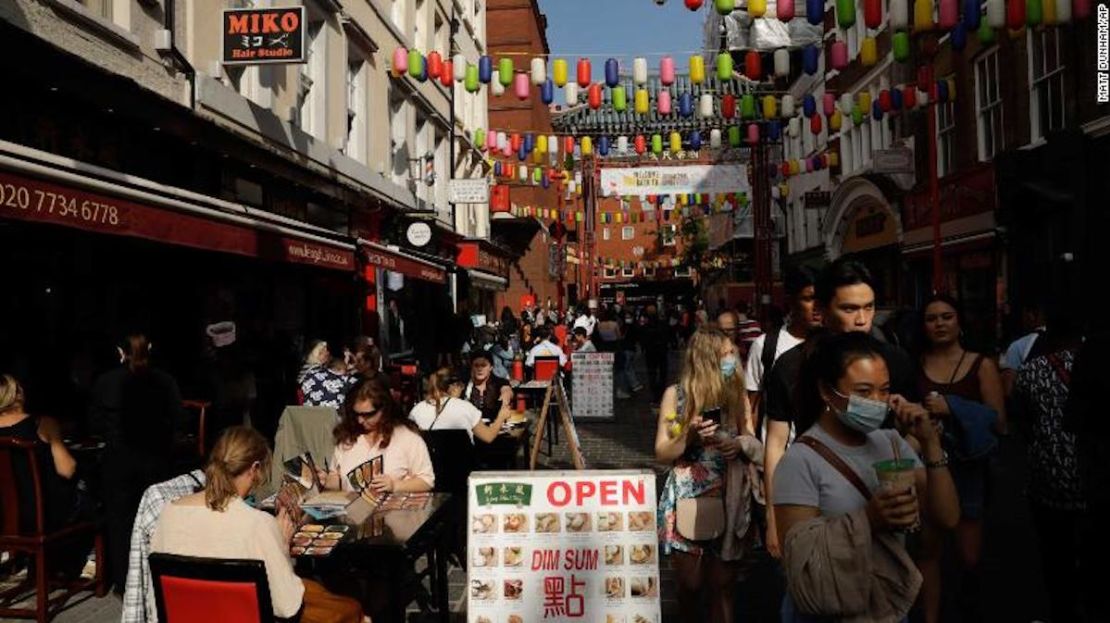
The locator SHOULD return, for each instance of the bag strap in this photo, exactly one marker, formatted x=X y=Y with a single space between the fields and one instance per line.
x=767 y=357
x=826 y=453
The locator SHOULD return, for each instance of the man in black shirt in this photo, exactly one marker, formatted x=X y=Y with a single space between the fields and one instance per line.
x=846 y=299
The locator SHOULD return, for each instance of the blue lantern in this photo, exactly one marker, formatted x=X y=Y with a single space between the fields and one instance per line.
x=774 y=130
x=529 y=142
x=809 y=106
x=547 y=92
x=544 y=181
x=815 y=12
x=423 y=69
x=521 y=154
x=485 y=69
x=959 y=37
x=695 y=140
x=612 y=73
x=972 y=14
x=876 y=110
x=497 y=168
x=603 y=145
x=810 y=56
x=896 y=99
x=685 y=104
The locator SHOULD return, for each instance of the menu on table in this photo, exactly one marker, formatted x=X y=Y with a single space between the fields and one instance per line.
x=563 y=546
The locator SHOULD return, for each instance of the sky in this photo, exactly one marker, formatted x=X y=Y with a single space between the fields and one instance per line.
x=622 y=29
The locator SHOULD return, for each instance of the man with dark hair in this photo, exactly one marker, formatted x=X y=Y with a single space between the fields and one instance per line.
x=845 y=300
x=544 y=348
x=582 y=343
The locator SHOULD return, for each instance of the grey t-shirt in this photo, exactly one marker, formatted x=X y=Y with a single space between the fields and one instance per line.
x=805 y=478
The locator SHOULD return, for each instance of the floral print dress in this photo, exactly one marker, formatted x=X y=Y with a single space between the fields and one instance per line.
x=323 y=387
x=699 y=472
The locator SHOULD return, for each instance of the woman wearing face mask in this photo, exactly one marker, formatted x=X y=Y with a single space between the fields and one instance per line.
x=963 y=390
x=699 y=451
x=217 y=523
x=373 y=425
x=828 y=496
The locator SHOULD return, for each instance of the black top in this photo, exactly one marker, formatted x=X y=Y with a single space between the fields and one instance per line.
x=780 y=391
x=136 y=410
x=489 y=401
x=56 y=491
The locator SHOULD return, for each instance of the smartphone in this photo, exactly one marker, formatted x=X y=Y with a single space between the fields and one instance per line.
x=712 y=415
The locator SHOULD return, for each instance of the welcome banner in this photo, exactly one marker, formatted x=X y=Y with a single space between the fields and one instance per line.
x=675 y=180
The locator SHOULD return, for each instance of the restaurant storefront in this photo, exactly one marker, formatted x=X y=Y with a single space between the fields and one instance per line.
x=486 y=276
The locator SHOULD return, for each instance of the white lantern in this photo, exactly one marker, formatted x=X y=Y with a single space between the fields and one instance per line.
x=552 y=144
x=1063 y=11
x=622 y=144
x=715 y=138
x=900 y=14
x=922 y=98
x=459 y=65
x=787 y=106
x=705 y=106
x=522 y=173
x=794 y=127
x=571 y=91
x=495 y=83
x=502 y=140
x=539 y=71
x=571 y=185
x=846 y=104
x=639 y=71
x=782 y=63
x=996 y=13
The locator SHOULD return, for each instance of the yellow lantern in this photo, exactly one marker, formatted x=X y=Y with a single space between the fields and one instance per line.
x=676 y=142
x=865 y=102
x=559 y=71
x=641 y=101
x=770 y=107
x=922 y=15
x=835 y=121
x=757 y=8
x=868 y=52
x=697 y=69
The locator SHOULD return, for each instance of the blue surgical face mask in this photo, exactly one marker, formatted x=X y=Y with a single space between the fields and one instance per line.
x=863 y=414
x=728 y=366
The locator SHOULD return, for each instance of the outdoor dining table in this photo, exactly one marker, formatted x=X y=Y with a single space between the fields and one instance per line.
x=392 y=541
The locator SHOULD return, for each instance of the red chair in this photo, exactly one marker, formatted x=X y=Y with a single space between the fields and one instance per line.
x=202 y=590
x=545 y=368
x=36 y=542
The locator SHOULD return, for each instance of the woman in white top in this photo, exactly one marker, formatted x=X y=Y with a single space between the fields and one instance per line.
x=444 y=409
x=217 y=523
x=372 y=425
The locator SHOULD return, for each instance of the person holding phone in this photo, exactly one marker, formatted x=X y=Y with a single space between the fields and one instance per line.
x=700 y=419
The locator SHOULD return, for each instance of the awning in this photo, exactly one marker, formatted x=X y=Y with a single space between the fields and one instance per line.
x=44 y=188
x=487 y=281
x=398 y=261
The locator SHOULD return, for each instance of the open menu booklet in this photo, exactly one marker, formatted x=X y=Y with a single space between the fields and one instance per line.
x=360 y=479
x=301 y=489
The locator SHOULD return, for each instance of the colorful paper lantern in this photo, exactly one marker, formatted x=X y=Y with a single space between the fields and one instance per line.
x=520 y=86
x=815 y=12
x=753 y=65
x=747 y=106
x=734 y=136
x=753 y=133
x=838 y=54
x=846 y=13
x=491 y=140
x=835 y=121
x=685 y=104
x=619 y=98
x=1015 y=14
x=815 y=124
x=809 y=105
x=446 y=74
x=942 y=91
x=868 y=52
x=593 y=96
x=586 y=146
x=603 y=146
x=639 y=144
x=423 y=75
x=1034 y=12
x=857 y=115
x=675 y=142
x=793 y=127
x=485 y=69
x=547 y=92
x=695 y=140
x=697 y=70
x=828 y=104
x=774 y=131
x=909 y=97
x=639 y=71
x=900 y=43
x=724 y=66
x=996 y=13
x=876 y=111
x=899 y=14
x=495 y=85
x=622 y=144
x=715 y=138
x=728 y=106
x=415 y=64
x=538 y=71
x=810 y=56
x=873 y=13
x=568 y=145
x=470 y=80
x=570 y=91
x=559 y=72
x=896 y=99
x=505 y=71
x=724 y=7
x=516 y=141
x=656 y=144
x=585 y=73
x=782 y=63
x=641 y=103
x=553 y=145
x=959 y=37
x=1063 y=11
x=458 y=63
x=787 y=106
x=693 y=5
x=1050 y=14
x=612 y=72
x=784 y=10
x=663 y=102
x=1080 y=9
x=865 y=100
x=435 y=64
x=529 y=142
x=985 y=34
x=497 y=169
x=400 y=62
x=922 y=15
x=947 y=14
x=666 y=71
x=541 y=144
x=705 y=106
x=770 y=107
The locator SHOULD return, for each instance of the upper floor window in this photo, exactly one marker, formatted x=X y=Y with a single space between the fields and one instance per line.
x=610 y=272
x=311 y=109
x=1047 y=111
x=397 y=13
x=988 y=103
x=669 y=233
x=604 y=233
x=628 y=232
x=356 y=108
x=946 y=138
x=629 y=270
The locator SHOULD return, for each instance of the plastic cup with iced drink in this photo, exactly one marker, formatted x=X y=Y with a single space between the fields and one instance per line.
x=898 y=475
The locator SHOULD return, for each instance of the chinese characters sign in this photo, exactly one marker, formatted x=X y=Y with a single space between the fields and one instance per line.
x=258 y=36
x=563 y=546
x=696 y=178
x=593 y=385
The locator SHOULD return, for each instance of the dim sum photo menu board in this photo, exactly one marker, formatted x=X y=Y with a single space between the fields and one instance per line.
x=563 y=546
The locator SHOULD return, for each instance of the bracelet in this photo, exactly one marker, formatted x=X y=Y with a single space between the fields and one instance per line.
x=937 y=464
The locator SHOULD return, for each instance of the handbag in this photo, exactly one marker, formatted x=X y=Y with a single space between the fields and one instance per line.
x=700 y=519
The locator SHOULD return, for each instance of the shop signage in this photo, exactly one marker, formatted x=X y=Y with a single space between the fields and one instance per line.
x=398 y=263
x=563 y=546
x=593 y=382
x=815 y=199
x=499 y=199
x=418 y=234
x=30 y=199
x=893 y=160
x=674 y=180
x=869 y=225
x=264 y=36
x=468 y=191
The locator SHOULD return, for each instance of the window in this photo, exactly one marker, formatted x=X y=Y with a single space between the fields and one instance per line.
x=397 y=13
x=628 y=232
x=988 y=103
x=423 y=146
x=398 y=135
x=669 y=233
x=682 y=270
x=356 y=108
x=604 y=233
x=946 y=138
x=649 y=271
x=99 y=8
x=311 y=87
x=1047 y=111
x=629 y=271
x=610 y=272
x=441 y=176
x=420 y=26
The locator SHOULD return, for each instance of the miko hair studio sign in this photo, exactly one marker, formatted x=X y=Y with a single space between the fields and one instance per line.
x=264 y=36
x=562 y=546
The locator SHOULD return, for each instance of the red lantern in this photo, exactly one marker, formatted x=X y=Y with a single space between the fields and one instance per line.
x=584 y=72
x=873 y=13
x=640 y=144
x=594 y=96
x=884 y=100
x=447 y=74
x=753 y=65
x=435 y=65
x=909 y=96
x=568 y=145
x=693 y=5
x=785 y=168
x=815 y=124
x=1015 y=14
x=514 y=142
x=728 y=106
x=925 y=74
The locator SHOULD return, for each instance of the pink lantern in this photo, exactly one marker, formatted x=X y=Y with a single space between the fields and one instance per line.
x=753 y=133
x=663 y=102
x=1080 y=9
x=838 y=54
x=949 y=14
x=666 y=71
x=521 y=86
x=491 y=140
x=400 y=61
x=828 y=103
x=785 y=10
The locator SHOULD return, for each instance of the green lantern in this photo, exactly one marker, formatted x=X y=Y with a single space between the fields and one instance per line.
x=747 y=106
x=985 y=33
x=724 y=7
x=416 y=64
x=656 y=143
x=620 y=98
x=734 y=136
x=505 y=71
x=724 y=66
x=470 y=80
x=846 y=13
x=1034 y=12
x=901 y=44
x=857 y=114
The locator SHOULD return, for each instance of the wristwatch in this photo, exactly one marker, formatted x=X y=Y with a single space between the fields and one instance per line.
x=943 y=462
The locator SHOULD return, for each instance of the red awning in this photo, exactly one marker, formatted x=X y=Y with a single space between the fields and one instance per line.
x=33 y=199
x=401 y=262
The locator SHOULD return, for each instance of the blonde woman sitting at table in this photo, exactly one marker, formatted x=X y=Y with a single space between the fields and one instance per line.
x=373 y=425
x=444 y=409
x=217 y=523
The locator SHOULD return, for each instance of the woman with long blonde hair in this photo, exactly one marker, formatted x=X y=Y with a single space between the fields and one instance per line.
x=700 y=420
